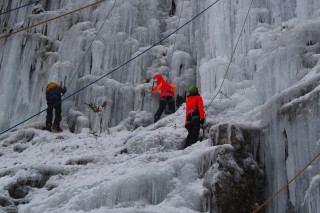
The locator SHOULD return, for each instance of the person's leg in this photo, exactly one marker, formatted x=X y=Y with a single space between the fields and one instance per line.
x=49 y=117
x=195 y=131
x=171 y=105
x=57 y=117
x=162 y=105
x=188 y=140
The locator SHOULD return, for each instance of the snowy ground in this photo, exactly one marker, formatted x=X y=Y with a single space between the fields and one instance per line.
x=88 y=173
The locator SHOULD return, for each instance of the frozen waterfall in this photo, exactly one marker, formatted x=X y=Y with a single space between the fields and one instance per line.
x=259 y=133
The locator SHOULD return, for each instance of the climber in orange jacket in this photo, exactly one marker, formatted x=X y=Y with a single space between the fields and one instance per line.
x=194 y=115
x=167 y=96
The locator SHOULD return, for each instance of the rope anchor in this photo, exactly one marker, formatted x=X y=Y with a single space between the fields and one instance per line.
x=221 y=93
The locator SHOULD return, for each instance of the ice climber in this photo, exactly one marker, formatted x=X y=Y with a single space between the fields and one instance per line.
x=53 y=97
x=167 y=96
x=194 y=115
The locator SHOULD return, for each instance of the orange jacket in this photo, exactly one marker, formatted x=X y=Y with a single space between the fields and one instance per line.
x=166 y=89
x=52 y=85
x=53 y=92
x=193 y=102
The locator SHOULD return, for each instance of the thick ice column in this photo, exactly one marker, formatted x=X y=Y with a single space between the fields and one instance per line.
x=289 y=144
x=27 y=59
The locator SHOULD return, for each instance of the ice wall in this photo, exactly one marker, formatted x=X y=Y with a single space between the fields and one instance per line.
x=275 y=66
x=278 y=56
x=290 y=87
x=216 y=32
x=54 y=52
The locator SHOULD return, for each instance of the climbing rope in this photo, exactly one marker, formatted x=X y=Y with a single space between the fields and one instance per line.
x=10 y=34
x=286 y=184
x=232 y=55
x=119 y=67
x=33 y=2
x=77 y=70
x=174 y=44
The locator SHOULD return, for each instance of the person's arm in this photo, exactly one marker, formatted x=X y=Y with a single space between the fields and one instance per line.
x=157 y=88
x=63 y=90
x=173 y=88
x=186 y=121
x=200 y=106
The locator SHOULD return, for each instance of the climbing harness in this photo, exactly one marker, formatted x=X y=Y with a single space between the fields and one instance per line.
x=166 y=91
x=222 y=94
x=193 y=109
x=77 y=70
x=43 y=22
x=114 y=70
x=30 y=3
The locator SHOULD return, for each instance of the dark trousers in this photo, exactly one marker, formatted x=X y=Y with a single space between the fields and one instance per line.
x=57 y=117
x=193 y=132
x=162 y=105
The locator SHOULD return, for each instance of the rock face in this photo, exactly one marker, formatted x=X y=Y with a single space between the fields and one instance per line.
x=236 y=180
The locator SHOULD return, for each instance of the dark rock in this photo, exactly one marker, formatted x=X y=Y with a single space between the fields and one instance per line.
x=81 y=161
x=21 y=188
x=173 y=8
x=220 y=137
x=4 y=201
x=236 y=181
x=19 y=148
x=22 y=137
x=123 y=151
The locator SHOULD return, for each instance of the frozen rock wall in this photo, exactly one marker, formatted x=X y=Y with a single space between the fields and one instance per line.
x=54 y=52
x=236 y=180
x=272 y=82
x=276 y=59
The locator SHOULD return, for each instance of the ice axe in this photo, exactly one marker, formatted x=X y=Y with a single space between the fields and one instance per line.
x=202 y=136
x=64 y=86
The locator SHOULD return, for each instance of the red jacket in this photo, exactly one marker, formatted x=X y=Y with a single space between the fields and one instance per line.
x=166 y=89
x=193 y=102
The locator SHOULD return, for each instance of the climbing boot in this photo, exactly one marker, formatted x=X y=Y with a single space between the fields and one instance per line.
x=48 y=128
x=56 y=129
x=156 y=118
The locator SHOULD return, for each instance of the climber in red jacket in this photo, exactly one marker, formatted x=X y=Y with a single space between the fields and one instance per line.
x=167 y=96
x=194 y=115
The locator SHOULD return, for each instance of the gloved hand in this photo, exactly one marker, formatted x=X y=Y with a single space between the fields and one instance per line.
x=64 y=90
x=202 y=121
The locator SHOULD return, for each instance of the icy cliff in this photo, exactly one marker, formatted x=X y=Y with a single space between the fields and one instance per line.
x=259 y=133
